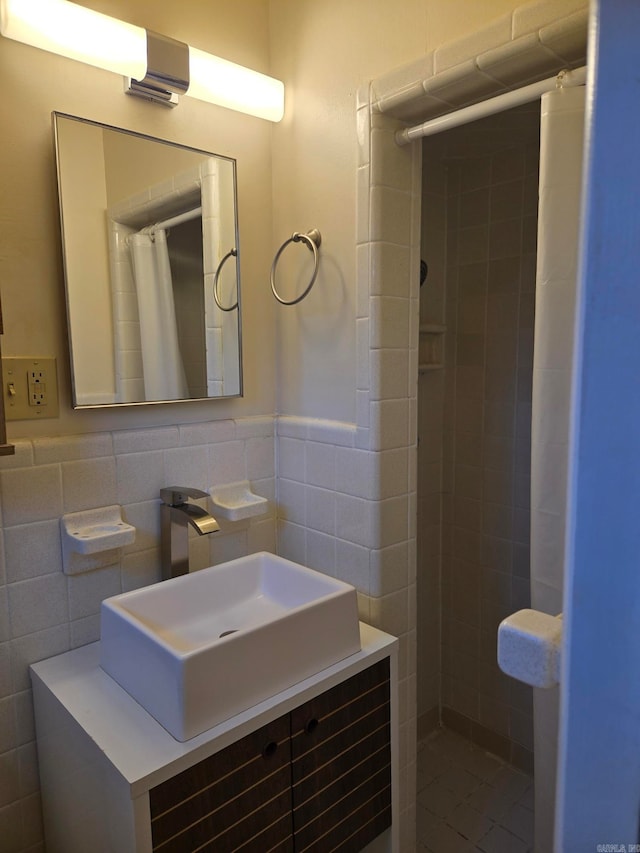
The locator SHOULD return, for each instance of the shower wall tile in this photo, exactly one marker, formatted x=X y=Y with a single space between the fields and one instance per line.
x=389 y=374
x=388 y=569
x=5 y=671
x=473 y=244
x=389 y=270
x=387 y=168
x=390 y=424
x=473 y=208
x=389 y=322
x=388 y=214
x=362 y=203
x=505 y=238
x=394 y=471
x=5 y=628
x=483 y=547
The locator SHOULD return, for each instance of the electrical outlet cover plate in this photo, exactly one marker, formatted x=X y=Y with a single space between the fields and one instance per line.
x=30 y=388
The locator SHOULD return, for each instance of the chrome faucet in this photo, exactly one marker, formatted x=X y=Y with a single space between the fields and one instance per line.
x=175 y=516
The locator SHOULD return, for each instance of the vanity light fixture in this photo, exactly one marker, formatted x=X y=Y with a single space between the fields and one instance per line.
x=156 y=67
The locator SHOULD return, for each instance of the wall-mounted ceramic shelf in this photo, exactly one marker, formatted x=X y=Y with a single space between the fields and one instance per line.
x=431 y=347
x=236 y=501
x=92 y=532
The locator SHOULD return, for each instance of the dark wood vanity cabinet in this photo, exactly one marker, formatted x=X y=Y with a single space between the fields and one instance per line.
x=317 y=779
x=239 y=799
x=341 y=764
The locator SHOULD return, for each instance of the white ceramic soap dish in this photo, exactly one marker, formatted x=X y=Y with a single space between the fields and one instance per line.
x=236 y=501
x=92 y=532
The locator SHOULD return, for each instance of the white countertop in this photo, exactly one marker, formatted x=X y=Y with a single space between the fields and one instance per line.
x=137 y=746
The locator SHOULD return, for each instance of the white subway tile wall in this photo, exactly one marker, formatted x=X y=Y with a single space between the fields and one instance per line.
x=537 y=39
x=388 y=314
x=314 y=457
x=44 y=612
x=375 y=481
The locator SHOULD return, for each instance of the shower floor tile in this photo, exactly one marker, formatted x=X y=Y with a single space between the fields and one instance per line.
x=469 y=800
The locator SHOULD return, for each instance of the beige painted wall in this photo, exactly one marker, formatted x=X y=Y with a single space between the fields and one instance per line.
x=30 y=255
x=324 y=52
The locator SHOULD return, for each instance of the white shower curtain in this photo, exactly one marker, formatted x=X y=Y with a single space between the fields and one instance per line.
x=163 y=370
x=561 y=144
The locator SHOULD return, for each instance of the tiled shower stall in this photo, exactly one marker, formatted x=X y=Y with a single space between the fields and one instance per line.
x=480 y=190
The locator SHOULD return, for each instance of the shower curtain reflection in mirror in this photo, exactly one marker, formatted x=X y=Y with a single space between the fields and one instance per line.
x=162 y=366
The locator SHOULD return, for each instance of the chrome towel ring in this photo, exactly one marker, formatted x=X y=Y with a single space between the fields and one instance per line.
x=313 y=239
x=231 y=254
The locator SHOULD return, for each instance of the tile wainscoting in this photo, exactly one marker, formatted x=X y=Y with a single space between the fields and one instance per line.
x=339 y=508
x=44 y=612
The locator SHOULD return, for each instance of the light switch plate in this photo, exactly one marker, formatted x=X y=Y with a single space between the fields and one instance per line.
x=30 y=388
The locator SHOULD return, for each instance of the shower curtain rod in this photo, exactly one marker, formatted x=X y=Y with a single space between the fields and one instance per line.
x=176 y=220
x=532 y=92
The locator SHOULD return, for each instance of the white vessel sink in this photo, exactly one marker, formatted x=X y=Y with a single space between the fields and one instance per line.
x=195 y=650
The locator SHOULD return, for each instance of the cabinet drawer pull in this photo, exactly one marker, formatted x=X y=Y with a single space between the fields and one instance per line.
x=311 y=725
x=270 y=749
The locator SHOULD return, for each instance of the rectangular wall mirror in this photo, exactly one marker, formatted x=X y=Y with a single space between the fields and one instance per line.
x=149 y=229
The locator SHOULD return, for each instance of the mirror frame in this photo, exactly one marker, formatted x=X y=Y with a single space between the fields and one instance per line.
x=143 y=136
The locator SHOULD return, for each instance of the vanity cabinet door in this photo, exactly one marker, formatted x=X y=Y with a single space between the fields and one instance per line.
x=341 y=764
x=237 y=800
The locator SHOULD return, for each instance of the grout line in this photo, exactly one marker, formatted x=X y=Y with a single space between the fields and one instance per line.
x=450 y=754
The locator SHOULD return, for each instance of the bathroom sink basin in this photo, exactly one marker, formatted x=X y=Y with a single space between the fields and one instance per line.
x=197 y=649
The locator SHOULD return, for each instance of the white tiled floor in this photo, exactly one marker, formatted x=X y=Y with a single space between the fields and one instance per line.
x=470 y=801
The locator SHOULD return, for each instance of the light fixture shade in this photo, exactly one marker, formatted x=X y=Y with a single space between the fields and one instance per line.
x=77 y=33
x=222 y=82
x=65 y=28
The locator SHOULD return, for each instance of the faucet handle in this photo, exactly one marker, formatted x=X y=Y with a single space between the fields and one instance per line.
x=178 y=495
